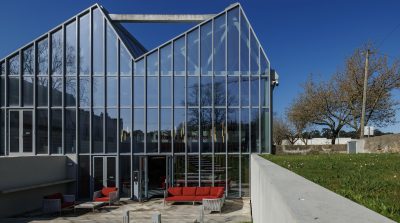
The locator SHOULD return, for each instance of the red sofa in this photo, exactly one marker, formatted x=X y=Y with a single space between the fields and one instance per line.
x=107 y=194
x=193 y=194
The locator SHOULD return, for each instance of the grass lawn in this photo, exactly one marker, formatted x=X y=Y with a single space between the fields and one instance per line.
x=372 y=180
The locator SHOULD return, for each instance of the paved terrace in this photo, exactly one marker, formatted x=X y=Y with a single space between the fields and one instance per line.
x=236 y=210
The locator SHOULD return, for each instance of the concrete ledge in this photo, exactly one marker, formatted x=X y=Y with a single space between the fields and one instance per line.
x=279 y=195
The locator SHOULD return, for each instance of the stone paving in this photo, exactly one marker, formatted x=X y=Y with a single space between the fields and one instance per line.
x=234 y=210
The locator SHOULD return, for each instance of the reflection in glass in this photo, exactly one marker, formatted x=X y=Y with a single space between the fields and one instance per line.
x=152 y=130
x=179 y=171
x=206 y=130
x=70 y=48
x=192 y=130
x=193 y=52
x=219 y=45
x=84 y=45
x=152 y=91
x=220 y=129
x=27 y=134
x=179 y=91
x=42 y=88
x=70 y=91
x=193 y=91
x=233 y=176
x=112 y=92
x=206 y=91
x=193 y=171
x=138 y=94
x=125 y=176
x=220 y=171
x=56 y=131
x=43 y=57
x=98 y=48
x=13 y=91
x=265 y=143
x=255 y=139
x=98 y=91
x=14 y=123
x=233 y=42
x=206 y=49
x=166 y=60
x=206 y=171
x=84 y=92
x=56 y=91
x=166 y=93
x=179 y=130
x=179 y=56
x=264 y=91
x=165 y=130
x=2 y=93
x=152 y=64
x=244 y=46
x=254 y=62
x=245 y=175
x=112 y=54
x=27 y=90
x=125 y=123
x=244 y=91
x=219 y=91
x=139 y=68
x=41 y=131
x=233 y=91
x=125 y=62
x=125 y=91
x=28 y=61
x=84 y=130
x=233 y=130
x=111 y=130
x=254 y=91
x=138 y=130
x=70 y=130
x=97 y=130
x=57 y=53
x=245 y=130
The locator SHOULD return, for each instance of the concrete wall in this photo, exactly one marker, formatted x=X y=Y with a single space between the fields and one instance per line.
x=318 y=141
x=301 y=149
x=279 y=195
x=382 y=144
x=20 y=172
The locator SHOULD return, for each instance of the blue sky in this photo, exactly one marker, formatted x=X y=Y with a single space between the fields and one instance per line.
x=300 y=37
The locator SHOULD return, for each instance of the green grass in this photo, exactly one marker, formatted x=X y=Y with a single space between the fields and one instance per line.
x=372 y=180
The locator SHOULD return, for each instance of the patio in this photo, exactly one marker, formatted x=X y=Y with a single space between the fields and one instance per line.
x=234 y=210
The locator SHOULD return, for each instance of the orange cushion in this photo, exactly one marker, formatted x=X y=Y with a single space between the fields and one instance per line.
x=102 y=199
x=106 y=190
x=189 y=191
x=217 y=191
x=203 y=191
x=175 y=191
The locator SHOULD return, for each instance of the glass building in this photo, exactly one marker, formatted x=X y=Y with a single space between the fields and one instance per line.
x=189 y=112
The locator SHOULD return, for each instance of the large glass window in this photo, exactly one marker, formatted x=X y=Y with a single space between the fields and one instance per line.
x=244 y=46
x=219 y=45
x=220 y=130
x=233 y=130
x=193 y=91
x=42 y=131
x=245 y=130
x=56 y=131
x=42 y=90
x=138 y=130
x=220 y=171
x=70 y=48
x=152 y=79
x=166 y=93
x=70 y=130
x=84 y=92
x=245 y=175
x=206 y=130
x=112 y=91
x=179 y=171
x=179 y=130
x=193 y=130
x=254 y=91
x=179 y=56
x=179 y=91
x=254 y=62
x=233 y=176
x=244 y=91
x=28 y=61
x=206 y=91
x=111 y=130
x=265 y=142
x=255 y=139
x=165 y=130
x=166 y=60
x=43 y=57
x=84 y=45
x=27 y=90
x=98 y=91
x=206 y=170
x=70 y=91
x=206 y=49
x=125 y=126
x=56 y=91
x=233 y=91
x=57 y=53
x=193 y=171
x=98 y=44
x=13 y=81
x=97 y=130
x=84 y=130
x=152 y=130
x=193 y=53
x=138 y=94
x=125 y=62
x=125 y=89
x=233 y=41
x=125 y=175
x=112 y=52
x=219 y=91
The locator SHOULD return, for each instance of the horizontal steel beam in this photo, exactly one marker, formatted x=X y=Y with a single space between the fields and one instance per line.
x=159 y=18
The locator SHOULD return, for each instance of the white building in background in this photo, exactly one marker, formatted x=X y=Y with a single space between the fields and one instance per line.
x=318 y=141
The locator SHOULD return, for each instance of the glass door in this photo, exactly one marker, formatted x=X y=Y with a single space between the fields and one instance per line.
x=104 y=172
x=20 y=128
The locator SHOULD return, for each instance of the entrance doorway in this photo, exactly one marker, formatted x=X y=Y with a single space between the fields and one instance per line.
x=20 y=128
x=104 y=172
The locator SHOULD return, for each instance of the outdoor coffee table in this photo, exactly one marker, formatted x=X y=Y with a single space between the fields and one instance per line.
x=89 y=205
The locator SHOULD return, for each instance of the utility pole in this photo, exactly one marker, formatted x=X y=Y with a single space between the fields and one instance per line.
x=364 y=95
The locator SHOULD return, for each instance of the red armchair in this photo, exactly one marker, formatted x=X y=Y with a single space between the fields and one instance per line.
x=107 y=194
x=57 y=202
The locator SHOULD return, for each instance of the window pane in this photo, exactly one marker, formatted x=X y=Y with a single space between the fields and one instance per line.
x=233 y=130
x=244 y=46
x=220 y=130
x=152 y=131
x=125 y=91
x=179 y=171
x=265 y=139
x=70 y=91
x=2 y=87
x=84 y=177
x=179 y=130
x=56 y=91
x=112 y=131
x=206 y=171
x=152 y=91
x=125 y=62
x=13 y=65
x=233 y=91
x=255 y=140
x=138 y=95
x=70 y=130
x=125 y=176
x=97 y=130
x=138 y=130
x=166 y=60
x=233 y=41
x=245 y=167
x=84 y=92
x=206 y=91
x=166 y=83
x=244 y=91
x=28 y=58
x=125 y=123
x=165 y=130
x=219 y=91
x=152 y=64
x=193 y=130
x=56 y=131
x=179 y=56
x=254 y=91
x=42 y=88
x=220 y=171
x=14 y=136
x=43 y=57
x=2 y=68
x=219 y=45
x=179 y=91
x=27 y=90
x=193 y=91
x=254 y=62
x=57 y=53
x=264 y=91
x=206 y=130
x=245 y=130
x=84 y=45
x=42 y=131
x=112 y=54
x=139 y=68
x=193 y=171
x=13 y=91
x=98 y=48
x=193 y=53
x=206 y=49
x=84 y=130
x=233 y=176
x=98 y=91
x=70 y=48
x=112 y=91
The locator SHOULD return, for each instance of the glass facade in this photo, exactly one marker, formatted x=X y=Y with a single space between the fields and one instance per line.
x=202 y=98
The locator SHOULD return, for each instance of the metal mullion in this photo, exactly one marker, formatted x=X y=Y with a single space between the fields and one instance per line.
x=145 y=104
x=20 y=79
x=118 y=112
x=158 y=101
x=63 y=89
x=226 y=102
x=249 y=83
x=49 y=68
x=212 y=105
x=259 y=101
x=240 y=107
x=77 y=72
x=104 y=81
x=172 y=98
x=199 y=103
x=34 y=97
x=6 y=136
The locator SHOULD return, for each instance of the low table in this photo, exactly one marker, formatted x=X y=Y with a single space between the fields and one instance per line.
x=213 y=204
x=89 y=205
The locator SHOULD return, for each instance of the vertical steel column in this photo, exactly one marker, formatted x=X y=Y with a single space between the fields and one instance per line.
x=158 y=102
x=259 y=101
x=212 y=105
x=35 y=62
x=63 y=73
x=240 y=103
x=105 y=83
x=226 y=103
x=117 y=161
x=49 y=68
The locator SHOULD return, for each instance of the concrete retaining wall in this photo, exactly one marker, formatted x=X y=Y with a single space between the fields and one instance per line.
x=302 y=149
x=382 y=144
x=279 y=195
x=27 y=172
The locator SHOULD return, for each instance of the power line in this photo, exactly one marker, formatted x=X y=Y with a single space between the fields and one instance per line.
x=388 y=35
